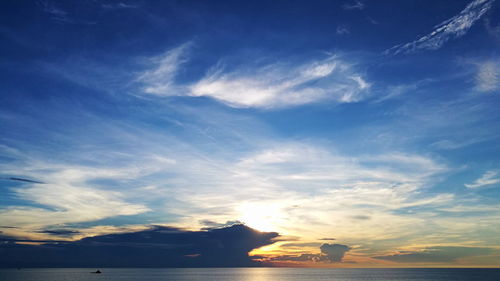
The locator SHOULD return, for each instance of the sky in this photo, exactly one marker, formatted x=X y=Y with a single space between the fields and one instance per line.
x=250 y=133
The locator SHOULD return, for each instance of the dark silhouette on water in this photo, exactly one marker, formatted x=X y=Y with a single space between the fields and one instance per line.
x=97 y=271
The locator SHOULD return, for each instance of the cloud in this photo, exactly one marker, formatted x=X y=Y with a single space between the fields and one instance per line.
x=397 y=91
x=119 y=5
x=282 y=85
x=275 y=85
x=156 y=247
x=329 y=253
x=488 y=76
x=22 y=180
x=493 y=30
x=291 y=186
x=211 y=224
x=296 y=258
x=160 y=79
x=300 y=245
x=361 y=217
x=59 y=232
x=67 y=195
x=267 y=183
x=342 y=30
x=334 y=252
x=488 y=178
x=440 y=254
x=57 y=14
x=454 y=27
x=356 y=5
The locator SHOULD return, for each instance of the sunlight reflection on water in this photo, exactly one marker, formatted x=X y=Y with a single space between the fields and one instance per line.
x=248 y=274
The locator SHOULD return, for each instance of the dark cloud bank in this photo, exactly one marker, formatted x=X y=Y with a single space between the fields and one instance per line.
x=156 y=247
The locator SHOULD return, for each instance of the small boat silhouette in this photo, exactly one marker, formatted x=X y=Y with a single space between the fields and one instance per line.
x=97 y=271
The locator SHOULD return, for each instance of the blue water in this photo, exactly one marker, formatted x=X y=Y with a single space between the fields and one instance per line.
x=248 y=274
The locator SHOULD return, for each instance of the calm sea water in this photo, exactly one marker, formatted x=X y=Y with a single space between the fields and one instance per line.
x=248 y=274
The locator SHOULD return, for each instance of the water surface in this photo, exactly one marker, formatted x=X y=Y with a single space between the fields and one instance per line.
x=248 y=274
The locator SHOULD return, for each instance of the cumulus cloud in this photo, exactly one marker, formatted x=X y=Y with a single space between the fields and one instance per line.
x=488 y=178
x=454 y=27
x=275 y=85
x=334 y=252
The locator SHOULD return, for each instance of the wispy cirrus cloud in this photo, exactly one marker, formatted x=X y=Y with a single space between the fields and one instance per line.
x=488 y=76
x=281 y=85
x=356 y=5
x=342 y=30
x=294 y=187
x=438 y=254
x=454 y=27
x=56 y=13
x=160 y=79
x=118 y=5
x=274 y=85
x=488 y=178
x=66 y=195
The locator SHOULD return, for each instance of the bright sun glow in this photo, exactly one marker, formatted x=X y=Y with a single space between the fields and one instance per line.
x=263 y=217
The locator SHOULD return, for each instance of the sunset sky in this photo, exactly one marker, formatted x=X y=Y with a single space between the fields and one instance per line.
x=340 y=133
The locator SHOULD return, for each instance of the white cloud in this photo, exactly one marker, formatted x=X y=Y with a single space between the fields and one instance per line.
x=488 y=76
x=356 y=5
x=300 y=189
x=69 y=193
x=160 y=79
x=488 y=178
x=297 y=188
x=57 y=14
x=342 y=30
x=275 y=85
x=493 y=30
x=119 y=5
x=452 y=28
x=67 y=204
x=281 y=85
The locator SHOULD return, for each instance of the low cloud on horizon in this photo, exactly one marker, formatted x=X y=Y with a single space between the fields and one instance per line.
x=159 y=246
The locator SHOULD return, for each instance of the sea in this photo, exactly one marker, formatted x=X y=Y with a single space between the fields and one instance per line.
x=248 y=274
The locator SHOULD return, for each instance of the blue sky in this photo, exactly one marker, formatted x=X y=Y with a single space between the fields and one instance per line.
x=374 y=123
